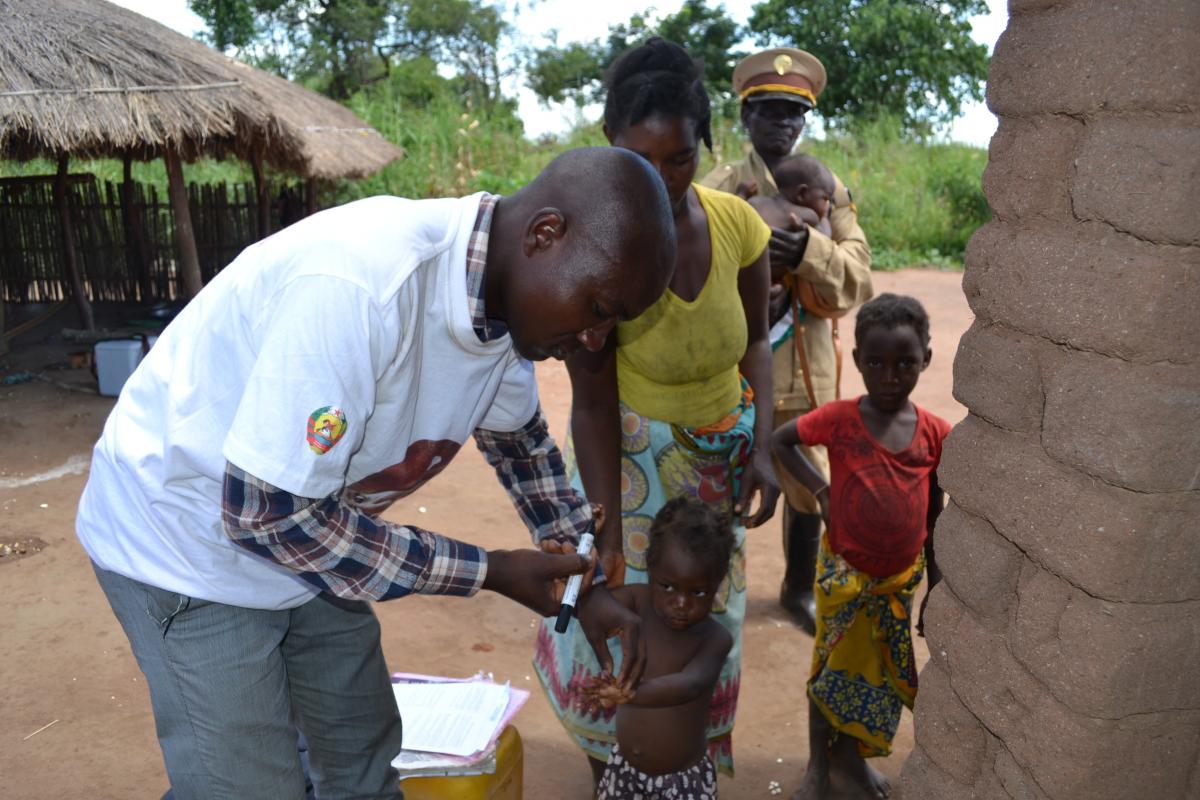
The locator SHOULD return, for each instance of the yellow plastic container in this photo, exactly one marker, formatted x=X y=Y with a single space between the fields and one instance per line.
x=506 y=783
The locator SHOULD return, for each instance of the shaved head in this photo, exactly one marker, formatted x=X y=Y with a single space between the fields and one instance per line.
x=590 y=241
x=612 y=197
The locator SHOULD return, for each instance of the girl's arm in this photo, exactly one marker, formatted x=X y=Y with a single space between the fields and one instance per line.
x=596 y=430
x=785 y=443
x=754 y=286
x=937 y=501
x=698 y=677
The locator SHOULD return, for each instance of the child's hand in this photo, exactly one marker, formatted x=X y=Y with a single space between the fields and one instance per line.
x=603 y=691
x=612 y=695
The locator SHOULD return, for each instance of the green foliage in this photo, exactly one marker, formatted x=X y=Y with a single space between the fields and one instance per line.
x=573 y=72
x=339 y=46
x=230 y=22
x=918 y=202
x=913 y=60
x=145 y=172
x=452 y=147
x=576 y=70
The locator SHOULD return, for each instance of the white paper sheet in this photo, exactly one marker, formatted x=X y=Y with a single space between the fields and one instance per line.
x=454 y=718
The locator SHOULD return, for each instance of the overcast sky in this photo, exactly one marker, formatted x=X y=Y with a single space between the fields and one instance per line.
x=536 y=19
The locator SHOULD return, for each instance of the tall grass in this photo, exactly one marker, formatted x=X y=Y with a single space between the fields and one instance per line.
x=918 y=202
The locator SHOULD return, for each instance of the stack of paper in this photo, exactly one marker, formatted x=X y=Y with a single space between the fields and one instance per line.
x=452 y=724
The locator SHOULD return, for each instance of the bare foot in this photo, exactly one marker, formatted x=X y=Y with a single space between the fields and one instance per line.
x=868 y=781
x=815 y=785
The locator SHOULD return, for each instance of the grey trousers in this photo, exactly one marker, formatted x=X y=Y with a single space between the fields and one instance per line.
x=229 y=687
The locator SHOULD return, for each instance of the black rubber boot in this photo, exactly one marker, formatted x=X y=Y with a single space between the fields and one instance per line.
x=801 y=537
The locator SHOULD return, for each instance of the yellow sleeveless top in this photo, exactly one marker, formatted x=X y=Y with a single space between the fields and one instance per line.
x=678 y=362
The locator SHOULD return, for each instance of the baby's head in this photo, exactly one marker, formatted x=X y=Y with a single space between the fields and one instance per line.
x=690 y=547
x=891 y=348
x=805 y=181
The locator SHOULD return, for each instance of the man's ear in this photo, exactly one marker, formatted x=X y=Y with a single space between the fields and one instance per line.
x=546 y=227
x=608 y=134
x=928 y=358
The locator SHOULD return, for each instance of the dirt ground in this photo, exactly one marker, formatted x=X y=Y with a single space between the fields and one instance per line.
x=64 y=659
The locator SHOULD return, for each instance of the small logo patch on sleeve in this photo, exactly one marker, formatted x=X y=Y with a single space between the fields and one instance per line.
x=326 y=427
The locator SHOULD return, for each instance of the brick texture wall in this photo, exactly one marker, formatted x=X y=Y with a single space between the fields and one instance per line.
x=1065 y=639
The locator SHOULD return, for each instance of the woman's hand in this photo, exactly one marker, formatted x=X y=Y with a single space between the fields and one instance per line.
x=759 y=476
x=611 y=553
x=613 y=564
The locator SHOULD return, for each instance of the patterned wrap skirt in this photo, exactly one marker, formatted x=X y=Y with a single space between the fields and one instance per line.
x=863 y=669
x=659 y=461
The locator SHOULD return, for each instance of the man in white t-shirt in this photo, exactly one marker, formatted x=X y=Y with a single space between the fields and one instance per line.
x=231 y=511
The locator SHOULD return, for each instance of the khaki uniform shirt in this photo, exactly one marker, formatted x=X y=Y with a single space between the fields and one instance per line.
x=838 y=268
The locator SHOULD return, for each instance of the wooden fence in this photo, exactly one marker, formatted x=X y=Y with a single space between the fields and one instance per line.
x=121 y=258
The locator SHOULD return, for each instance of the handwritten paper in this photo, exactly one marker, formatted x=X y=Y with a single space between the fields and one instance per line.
x=454 y=718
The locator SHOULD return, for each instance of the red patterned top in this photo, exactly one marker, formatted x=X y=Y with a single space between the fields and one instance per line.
x=879 y=500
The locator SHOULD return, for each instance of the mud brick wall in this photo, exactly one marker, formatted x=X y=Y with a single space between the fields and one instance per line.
x=1065 y=638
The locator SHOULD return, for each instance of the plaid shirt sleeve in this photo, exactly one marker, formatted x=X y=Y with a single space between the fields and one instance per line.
x=531 y=467
x=342 y=550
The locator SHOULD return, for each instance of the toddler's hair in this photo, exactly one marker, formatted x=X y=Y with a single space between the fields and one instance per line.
x=703 y=532
x=801 y=168
x=891 y=311
x=657 y=77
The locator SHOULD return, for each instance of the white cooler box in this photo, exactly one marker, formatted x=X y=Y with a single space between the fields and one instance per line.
x=116 y=360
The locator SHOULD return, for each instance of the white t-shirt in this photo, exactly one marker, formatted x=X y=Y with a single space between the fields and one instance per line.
x=336 y=356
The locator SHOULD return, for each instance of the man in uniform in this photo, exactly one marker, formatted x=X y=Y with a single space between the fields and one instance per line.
x=820 y=277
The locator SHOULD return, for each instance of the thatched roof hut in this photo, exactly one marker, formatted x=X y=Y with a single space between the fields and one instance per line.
x=334 y=142
x=91 y=79
x=88 y=78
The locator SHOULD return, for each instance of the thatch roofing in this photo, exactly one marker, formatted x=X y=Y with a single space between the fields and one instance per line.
x=88 y=78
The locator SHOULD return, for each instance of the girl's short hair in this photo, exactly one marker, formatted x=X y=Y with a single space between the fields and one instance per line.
x=656 y=77
x=891 y=311
x=705 y=534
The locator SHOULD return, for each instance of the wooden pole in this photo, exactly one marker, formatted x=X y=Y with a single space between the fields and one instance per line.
x=264 y=199
x=310 y=198
x=135 y=237
x=185 y=236
x=86 y=319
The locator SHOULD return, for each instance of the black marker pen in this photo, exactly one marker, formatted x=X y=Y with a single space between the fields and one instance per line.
x=573 y=586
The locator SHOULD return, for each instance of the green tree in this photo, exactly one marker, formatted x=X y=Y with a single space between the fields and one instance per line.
x=910 y=60
x=340 y=46
x=465 y=34
x=576 y=71
x=230 y=22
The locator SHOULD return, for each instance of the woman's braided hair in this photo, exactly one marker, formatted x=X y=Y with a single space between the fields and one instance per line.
x=656 y=77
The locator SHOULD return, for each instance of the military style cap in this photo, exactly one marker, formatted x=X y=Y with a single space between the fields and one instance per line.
x=782 y=73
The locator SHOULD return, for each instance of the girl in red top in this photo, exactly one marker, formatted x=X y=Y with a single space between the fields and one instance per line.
x=879 y=514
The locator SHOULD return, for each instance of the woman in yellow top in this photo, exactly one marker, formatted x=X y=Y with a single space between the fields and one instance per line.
x=679 y=402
